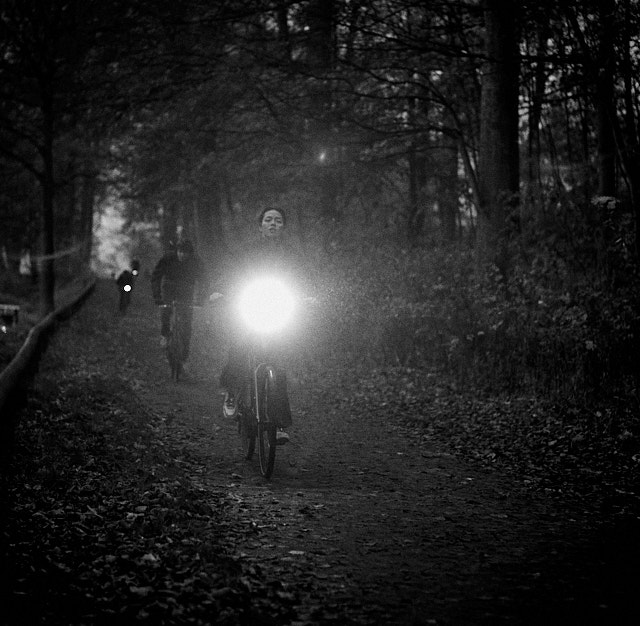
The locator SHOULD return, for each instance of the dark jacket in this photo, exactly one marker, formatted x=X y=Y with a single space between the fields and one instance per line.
x=184 y=281
x=125 y=278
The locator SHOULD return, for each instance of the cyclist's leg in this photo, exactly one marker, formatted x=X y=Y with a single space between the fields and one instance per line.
x=234 y=372
x=187 y=325
x=234 y=377
x=165 y=321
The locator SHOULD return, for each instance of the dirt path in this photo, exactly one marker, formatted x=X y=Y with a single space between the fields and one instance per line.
x=370 y=522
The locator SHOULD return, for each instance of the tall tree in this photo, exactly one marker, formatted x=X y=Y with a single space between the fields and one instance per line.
x=605 y=99
x=448 y=189
x=67 y=65
x=499 y=151
x=321 y=55
x=627 y=131
x=30 y=67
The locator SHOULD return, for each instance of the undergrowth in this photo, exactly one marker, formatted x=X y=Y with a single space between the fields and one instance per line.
x=560 y=331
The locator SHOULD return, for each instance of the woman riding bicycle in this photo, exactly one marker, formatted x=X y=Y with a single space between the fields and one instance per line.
x=271 y=254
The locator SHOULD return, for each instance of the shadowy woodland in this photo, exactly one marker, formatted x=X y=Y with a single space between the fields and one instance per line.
x=464 y=175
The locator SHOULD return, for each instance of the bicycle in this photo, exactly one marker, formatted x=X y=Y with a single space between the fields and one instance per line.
x=255 y=424
x=177 y=339
x=125 y=283
x=266 y=307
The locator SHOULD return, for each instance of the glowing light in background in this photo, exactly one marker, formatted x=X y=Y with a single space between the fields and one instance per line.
x=110 y=242
x=116 y=241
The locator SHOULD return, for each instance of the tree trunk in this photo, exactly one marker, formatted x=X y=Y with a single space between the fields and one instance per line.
x=320 y=17
x=498 y=157
x=448 y=192
x=627 y=140
x=535 y=115
x=321 y=58
x=605 y=102
x=46 y=272
x=417 y=221
x=169 y=226
x=416 y=213
x=207 y=218
x=284 y=36
x=87 y=198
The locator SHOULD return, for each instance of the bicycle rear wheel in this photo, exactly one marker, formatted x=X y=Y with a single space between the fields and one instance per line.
x=175 y=344
x=266 y=428
x=173 y=356
x=177 y=371
x=247 y=431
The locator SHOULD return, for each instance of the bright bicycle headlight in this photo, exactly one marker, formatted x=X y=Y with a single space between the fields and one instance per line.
x=266 y=305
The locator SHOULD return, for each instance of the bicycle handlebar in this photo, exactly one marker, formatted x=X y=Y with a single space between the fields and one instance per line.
x=221 y=296
x=164 y=305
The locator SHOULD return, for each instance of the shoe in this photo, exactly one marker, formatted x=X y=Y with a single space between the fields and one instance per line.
x=230 y=406
x=163 y=341
x=281 y=437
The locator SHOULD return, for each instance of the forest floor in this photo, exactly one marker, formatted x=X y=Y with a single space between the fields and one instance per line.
x=126 y=498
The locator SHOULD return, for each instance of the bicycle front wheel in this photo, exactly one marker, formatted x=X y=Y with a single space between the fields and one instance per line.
x=266 y=429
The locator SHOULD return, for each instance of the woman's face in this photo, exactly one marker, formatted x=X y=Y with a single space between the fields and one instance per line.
x=272 y=224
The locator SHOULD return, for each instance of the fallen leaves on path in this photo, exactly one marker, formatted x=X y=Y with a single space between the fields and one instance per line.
x=108 y=523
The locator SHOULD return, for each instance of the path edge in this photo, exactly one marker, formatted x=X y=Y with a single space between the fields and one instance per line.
x=18 y=374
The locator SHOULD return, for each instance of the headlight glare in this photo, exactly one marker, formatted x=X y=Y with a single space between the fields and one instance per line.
x=266 y=305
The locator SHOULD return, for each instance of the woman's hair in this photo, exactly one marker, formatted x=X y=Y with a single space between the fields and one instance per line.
x=272 y=208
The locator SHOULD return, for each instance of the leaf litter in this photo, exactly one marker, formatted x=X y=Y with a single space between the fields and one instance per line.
x=110 y=515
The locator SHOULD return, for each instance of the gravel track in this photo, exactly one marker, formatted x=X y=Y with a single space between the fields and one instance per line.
x=365 y=521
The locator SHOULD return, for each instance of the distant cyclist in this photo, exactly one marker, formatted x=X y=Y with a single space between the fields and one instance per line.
x=125 y=282
x=179 y=275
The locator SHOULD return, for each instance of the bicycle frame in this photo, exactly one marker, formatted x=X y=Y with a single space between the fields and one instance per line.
x=261 y=371
x=254 y=421
x=265 y=306
x=176 y=349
